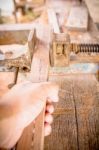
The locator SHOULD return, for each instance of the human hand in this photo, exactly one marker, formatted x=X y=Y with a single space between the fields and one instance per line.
x=21 y=105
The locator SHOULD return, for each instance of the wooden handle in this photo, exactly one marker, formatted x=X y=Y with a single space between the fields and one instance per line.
x=39 y=132
x=30 y=140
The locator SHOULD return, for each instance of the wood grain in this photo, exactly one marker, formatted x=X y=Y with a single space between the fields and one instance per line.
x=25 y=142
x=78 y=19
x=76 y=119
x=4 y=83
x=93 y=7
x=53 y=21
x=63 y=136
x=39 y=73
x=38 y=142
x=86 y=97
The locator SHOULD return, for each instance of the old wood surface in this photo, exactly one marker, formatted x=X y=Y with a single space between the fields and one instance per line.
x=39 y=73
x=38 y=142
x=93 y=7
x=52 y=18
x=25 y=142
x=76 y=118
x=4 y=83
x=78 y=19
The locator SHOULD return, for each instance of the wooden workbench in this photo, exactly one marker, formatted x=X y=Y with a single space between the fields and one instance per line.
x=76 y=117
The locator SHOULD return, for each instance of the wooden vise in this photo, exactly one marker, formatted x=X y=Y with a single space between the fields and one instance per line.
x=18 y=57
x=63 y=52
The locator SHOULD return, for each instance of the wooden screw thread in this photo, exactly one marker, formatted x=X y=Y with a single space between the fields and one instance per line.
x=85 y=48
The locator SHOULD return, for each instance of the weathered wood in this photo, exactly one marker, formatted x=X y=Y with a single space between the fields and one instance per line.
x=38 y=142
x=76 y=124
x=39 y=73
x=69 y=115
x=32 y=42
x=53 y=20
x=4 y=83
x=61 y=49
x=66 y=138
x=86 y=98
x=25 y=141
x=63 y=136
x=78 y=19
x=93 y=7
x=15 y=37
x=15 y=11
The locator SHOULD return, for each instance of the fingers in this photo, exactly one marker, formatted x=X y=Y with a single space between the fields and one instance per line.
x=47 y=124
x=49 y=108
x=48 y=118
x=48 y=113
x=48 y=129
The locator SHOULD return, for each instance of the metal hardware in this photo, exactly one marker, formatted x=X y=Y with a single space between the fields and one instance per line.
x=87 y=48
x=61 y=49
x=19 y=60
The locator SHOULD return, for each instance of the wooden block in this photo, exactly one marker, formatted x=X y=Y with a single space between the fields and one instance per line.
x=93 y=7
x=53 y=20
x=78 y=19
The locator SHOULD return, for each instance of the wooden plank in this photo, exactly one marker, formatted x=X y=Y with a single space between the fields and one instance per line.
x=16 y=27
x=58 y=139
x=39 y=73
x=78 y=18
x=32 y=42
x=64 y=132
x=86 y=97
x=38 y=143
x=35 y=3
x=15 y=11
x=52 y=18
x=76 y=124
x=93 y=7
x=25 y=141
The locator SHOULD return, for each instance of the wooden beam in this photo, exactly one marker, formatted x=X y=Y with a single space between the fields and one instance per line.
x=39 y=73
x=78 y=18
x=53 y=20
